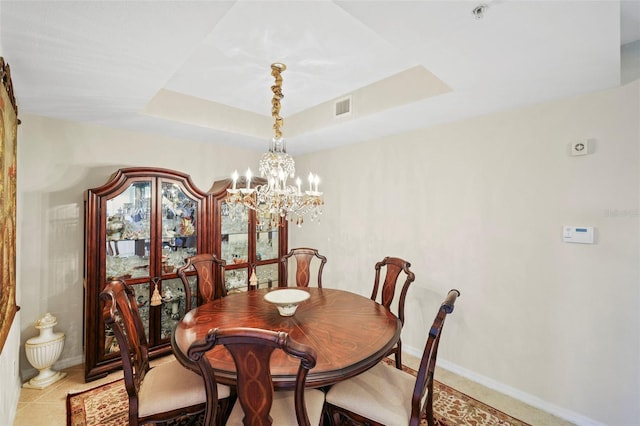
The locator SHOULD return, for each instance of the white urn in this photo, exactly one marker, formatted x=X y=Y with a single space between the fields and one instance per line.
x=43 y=351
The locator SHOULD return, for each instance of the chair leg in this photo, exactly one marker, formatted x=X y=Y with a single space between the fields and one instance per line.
x=222 y=412
x=429 y=411
x=326 y=418
x=399 y=355
x=335 y=419
x=329 y=416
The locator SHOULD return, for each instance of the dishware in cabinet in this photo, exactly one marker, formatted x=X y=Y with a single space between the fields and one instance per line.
x=248 y=244
x=140 y=226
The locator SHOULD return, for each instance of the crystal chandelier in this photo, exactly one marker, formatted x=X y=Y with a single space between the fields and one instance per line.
x=275 y=200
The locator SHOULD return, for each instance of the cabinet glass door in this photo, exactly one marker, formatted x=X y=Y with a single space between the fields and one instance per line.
x=267 y=275
x=128 y=232
x=234 y=234
x=173 y=305
x=266 y=243
x=267 y=247
x=128 y=229
x=179 y=240
x=236 y=280
x=179 y=227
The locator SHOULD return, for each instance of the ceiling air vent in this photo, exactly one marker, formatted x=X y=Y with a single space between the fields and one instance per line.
x=343 y=107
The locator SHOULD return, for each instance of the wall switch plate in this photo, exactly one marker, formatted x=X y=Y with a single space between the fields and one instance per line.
x=580 y=147
x=577 y=234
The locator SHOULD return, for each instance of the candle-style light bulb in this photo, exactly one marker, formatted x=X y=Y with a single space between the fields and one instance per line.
x=316 y=180
x=310 y=181
x=234 y=176
x=248 y=178
x=298 y=182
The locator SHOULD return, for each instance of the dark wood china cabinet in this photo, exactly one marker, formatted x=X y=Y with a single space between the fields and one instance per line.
x=140 y=226
x=246 y=242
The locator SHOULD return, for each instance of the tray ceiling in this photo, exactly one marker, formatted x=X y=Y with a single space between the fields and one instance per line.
x=200 y=70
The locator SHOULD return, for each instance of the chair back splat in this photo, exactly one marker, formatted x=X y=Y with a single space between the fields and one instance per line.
x=251 y=350
x=362 y=399
x=209 y=275
x=393 y=268
x=304 y=257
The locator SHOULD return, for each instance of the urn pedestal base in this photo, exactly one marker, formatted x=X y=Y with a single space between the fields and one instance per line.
x=41 y=381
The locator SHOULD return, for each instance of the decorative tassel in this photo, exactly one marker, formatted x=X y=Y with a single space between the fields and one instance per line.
x=156 y=299
x=253 y=280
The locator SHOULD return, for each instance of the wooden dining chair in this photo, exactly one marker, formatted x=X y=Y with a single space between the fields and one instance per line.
x=393 y=267
x=209 y=277
x=165 y=392
x=304 y=257
x=384 y=395
x=257 y=403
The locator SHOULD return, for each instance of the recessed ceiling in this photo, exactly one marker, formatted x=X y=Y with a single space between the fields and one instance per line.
x=201 y=70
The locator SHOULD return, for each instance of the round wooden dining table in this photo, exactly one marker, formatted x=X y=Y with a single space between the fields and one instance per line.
x=350 y=333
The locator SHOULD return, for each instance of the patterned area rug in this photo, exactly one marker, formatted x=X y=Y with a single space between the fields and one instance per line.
x=104 y=405
x=107 y=405
x=452 y=408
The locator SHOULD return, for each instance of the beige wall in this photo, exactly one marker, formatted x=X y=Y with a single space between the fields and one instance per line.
x=479 y=205
x=476 y=205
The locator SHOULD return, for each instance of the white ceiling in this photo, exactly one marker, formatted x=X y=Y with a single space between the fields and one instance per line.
x=201 y=69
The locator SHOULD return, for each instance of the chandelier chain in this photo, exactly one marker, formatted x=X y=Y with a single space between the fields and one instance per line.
x=276 y=70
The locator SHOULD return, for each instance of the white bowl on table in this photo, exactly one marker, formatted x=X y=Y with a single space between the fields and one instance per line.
x=286 y=300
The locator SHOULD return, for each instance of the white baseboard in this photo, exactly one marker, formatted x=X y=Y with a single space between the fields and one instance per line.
x=70 y=362
x=534 y=401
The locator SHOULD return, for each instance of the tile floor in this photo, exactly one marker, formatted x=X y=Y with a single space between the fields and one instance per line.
x=47 y=407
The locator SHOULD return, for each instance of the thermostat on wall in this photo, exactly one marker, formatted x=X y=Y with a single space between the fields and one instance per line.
x=577 y=234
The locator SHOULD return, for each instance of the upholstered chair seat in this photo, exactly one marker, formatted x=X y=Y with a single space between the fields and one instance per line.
x=170 y=386
x=382 y=392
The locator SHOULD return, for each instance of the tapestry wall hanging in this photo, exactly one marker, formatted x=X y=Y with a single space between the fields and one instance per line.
x=8 y=154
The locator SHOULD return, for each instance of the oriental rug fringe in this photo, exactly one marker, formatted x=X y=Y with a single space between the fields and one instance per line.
x=107 y=405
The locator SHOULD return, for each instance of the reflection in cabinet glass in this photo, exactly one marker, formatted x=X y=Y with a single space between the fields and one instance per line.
x=140 y=226
x=267 y=275
x=173 y=306
x=128 y=230
x=234 y=234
